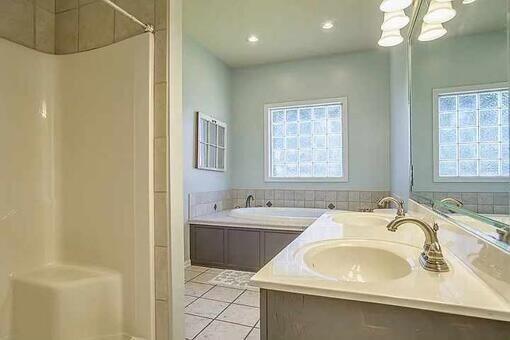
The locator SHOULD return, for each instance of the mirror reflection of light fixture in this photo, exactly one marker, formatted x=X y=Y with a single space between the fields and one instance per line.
x=394 y=5
x=440 y=11
x=394 y=20
x=431 y=32
x=390 y=38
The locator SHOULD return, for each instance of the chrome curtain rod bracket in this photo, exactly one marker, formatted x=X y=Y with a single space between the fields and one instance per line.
x=146 y=27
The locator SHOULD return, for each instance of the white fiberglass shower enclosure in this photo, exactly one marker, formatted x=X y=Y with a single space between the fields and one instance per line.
x=76 y=184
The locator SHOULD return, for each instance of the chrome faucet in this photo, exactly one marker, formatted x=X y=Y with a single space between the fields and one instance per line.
x=249 y=199
x=383 y=203
x=431 y=258
x=454 y=201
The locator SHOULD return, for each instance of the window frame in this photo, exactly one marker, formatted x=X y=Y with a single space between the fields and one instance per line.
x=435 y=128
x=268 y=136
x=199 y=155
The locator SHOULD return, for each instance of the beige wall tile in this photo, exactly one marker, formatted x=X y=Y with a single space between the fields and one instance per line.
x=64 y=5
x=17 y=22
x=161 y=272
x=160 y=101
x=125 y=27
x=162 y=332
x=160 y=165
x=66 y=32
x=44 y=31
x=160 y=219
x=96 y=25
x=48 y=5
x=160 y=56
x=160 y=12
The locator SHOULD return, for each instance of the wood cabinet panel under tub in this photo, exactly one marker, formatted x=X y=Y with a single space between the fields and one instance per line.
x=208 y=245
x=243 y=249
x=235 y=247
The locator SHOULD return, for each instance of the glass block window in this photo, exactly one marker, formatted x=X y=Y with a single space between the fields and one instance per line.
x=306 y=141
x=472 y=139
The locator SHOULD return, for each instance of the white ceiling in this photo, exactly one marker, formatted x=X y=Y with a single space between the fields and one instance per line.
x=291 y=29
x=478 y=17
x=287 y=29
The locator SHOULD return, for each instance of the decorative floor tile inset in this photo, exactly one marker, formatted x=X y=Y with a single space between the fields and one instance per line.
x=233 y=278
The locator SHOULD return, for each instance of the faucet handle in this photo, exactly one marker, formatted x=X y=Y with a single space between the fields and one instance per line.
x=398 y=202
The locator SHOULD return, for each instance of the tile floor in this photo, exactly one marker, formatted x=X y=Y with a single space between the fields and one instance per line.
x=215 y=312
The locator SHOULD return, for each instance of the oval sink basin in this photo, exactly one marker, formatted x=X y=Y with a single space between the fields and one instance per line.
x=361 y=219
x=364 y=261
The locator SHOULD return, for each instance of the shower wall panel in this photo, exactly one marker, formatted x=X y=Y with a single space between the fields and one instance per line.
x=104 y=168
x=27 y=115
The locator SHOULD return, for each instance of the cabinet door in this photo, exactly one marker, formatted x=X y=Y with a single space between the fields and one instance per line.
x=243 y=250
x=207 y=245
x=275 y=241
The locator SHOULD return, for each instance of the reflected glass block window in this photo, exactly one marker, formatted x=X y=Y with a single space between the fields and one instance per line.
x=472 y=134
x=306 y=141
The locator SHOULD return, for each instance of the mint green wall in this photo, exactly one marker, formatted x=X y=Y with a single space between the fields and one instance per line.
x=451 y=62
x=400 y=142
x=361 y=77
x=206 y=88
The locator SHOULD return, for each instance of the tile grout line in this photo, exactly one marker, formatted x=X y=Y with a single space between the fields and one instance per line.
x=223 y=310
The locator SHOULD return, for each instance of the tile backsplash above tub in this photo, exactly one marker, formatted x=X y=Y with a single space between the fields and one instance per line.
x=322 y=199
x=203 y=203
x=479 y=202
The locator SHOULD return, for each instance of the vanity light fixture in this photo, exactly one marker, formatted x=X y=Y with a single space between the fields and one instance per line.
x=431 y=32
x=327 y=25
x=394 y=5
x=253 y=39
x=440 y=11
x=390 y=38
x=394 y=20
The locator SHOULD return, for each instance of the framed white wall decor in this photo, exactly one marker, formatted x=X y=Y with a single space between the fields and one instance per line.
x=211 y=143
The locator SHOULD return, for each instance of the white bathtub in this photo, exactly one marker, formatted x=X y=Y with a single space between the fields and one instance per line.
x=292 y=216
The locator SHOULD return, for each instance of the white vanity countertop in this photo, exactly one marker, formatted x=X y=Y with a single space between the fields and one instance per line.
x=458 y=291
x=224 y=219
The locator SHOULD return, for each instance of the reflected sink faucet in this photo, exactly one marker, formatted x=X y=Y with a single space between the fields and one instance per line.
x=249 y=200
x=453 y=201
x=383 y=203
x=431 y=258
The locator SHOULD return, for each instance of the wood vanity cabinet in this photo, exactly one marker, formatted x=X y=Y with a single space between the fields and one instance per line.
x=236 y=248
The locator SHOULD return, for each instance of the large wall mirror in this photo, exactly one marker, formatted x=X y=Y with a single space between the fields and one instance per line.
x=459 y=113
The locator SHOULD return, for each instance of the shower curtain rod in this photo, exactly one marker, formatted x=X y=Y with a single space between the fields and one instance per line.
x=147 y=27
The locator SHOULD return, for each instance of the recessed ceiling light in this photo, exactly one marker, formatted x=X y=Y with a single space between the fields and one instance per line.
x=327 y=25
x=253 y=38
x=467 y=2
